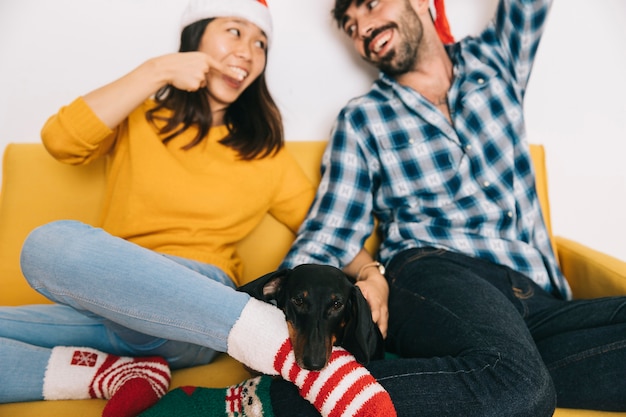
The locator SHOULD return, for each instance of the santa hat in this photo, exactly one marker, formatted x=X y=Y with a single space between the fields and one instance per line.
x=441 y=22
x=255 y=11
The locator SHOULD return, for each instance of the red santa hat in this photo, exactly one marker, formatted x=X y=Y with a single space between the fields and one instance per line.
x=255 y=11
x=441 y=22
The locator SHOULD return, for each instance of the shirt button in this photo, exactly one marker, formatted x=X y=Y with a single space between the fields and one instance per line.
x=486 y=184
x=468 y=147
x=510 y=214
x=481 y=81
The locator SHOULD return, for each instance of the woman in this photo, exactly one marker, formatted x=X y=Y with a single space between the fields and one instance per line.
x=195 y=159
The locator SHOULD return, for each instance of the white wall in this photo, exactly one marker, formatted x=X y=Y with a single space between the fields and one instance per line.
x=53 y=51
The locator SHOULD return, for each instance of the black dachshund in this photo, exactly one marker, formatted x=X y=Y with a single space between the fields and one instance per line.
x=322 y=308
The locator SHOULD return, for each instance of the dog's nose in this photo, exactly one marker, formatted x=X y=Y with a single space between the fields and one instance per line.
x=313 y=364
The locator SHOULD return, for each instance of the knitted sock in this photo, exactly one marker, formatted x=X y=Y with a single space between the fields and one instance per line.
x=260 y=340
x=130 y=384
x=344 y=388
x=249 y=398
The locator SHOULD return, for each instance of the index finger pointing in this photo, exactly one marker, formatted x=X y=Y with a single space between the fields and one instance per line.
x=221 y=67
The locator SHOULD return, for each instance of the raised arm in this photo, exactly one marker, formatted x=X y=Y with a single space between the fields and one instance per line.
x=187 y=71
x=517 y=27
x=86 y=129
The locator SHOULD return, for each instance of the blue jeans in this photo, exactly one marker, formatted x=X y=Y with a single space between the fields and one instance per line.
x=478 y=339
x=114 y=296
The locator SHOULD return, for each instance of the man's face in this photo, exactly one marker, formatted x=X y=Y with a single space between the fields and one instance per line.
x=386 y=33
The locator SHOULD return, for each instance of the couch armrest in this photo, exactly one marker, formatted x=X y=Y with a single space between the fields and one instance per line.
x=589 y=272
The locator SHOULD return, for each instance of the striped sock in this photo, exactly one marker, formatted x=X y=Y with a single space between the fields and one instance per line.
x=249 y=398
x=344 y=388
x=260 y=340
x=130 y=384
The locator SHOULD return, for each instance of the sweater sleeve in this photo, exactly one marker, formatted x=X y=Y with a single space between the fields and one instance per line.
x=76 y=136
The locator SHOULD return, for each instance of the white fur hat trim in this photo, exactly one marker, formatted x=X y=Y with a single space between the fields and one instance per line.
x=255 y=11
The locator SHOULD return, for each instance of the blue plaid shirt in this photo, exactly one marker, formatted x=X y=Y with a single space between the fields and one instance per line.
x=466 y=186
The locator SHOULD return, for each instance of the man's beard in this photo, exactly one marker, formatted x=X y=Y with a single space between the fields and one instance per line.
x=397 y=63
x=403 y=58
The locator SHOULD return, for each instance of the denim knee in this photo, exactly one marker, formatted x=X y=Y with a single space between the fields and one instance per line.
x=43 y=247
x=512 y=384
x=533 y=393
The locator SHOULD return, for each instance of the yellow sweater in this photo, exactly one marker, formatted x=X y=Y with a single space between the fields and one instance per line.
x=196 y=204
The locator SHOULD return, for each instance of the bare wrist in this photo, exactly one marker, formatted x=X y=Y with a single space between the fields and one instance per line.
x=360 y=276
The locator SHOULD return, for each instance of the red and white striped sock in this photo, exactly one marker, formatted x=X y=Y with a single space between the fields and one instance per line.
x=345 y=388
x=130 y=384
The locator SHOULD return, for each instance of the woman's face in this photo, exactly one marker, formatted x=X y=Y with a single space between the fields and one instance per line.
x=240 y=45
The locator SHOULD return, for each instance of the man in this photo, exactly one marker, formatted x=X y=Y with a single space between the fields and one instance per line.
x=479 y=314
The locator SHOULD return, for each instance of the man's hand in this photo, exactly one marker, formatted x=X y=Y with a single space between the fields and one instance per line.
x=375 y=289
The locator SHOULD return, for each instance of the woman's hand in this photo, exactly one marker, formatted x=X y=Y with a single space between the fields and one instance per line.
x=188 y=71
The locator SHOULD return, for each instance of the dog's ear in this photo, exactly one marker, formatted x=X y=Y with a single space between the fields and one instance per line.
x=267 y=287
x=361 y=336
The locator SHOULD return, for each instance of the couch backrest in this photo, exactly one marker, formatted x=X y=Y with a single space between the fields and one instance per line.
x=37 y=189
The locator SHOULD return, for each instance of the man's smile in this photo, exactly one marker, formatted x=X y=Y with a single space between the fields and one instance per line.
x=379 y=42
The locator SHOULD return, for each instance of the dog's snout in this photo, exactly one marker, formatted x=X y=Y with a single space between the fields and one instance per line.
x=317 y=347
x=313 y=363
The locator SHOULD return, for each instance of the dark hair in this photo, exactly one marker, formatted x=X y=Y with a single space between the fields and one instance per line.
x=255 y=128
x=341 y=6
x=340 y=9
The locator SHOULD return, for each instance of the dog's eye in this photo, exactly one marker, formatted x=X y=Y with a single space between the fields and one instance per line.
x=297 y=301
x=337 y=305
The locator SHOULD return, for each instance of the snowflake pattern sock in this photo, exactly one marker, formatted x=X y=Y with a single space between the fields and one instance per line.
x=130 y=384
x=343 y=388
x=249 y=398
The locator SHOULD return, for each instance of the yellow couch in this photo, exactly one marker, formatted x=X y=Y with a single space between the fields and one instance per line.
x=37 y=189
